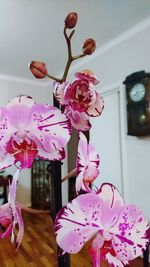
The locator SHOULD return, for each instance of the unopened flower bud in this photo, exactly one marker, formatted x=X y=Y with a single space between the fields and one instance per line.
x=38 y=69
x=89 y=46
x=71 y=20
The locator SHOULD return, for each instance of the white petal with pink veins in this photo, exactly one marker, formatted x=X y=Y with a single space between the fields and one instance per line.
x=78 y=222
x=21 y=100
x=87 y=164
x=88 y=76
x=129 y=234
x=97 y=108
x=59 y=91
x=114 y=261
x=79 y=120
x=112 y=204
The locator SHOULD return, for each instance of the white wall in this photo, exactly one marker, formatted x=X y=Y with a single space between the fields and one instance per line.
x=128 y=53
x=11 y=87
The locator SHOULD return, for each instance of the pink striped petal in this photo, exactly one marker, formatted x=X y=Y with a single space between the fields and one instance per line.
x=87 y=75
x=57 y=154
x=97 y=108
x=21 y=100
x=50 y=127
x=79 y=120
x=112 y=204
x=87 y=164
x=20 y=225
x=78 y=222
x=13 y=188
x=59 y=91
x=129 y=233
x=81 y=185
x=114 y=261
x=19 y=112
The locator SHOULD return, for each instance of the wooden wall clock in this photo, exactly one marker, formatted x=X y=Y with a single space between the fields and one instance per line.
x=138 y=103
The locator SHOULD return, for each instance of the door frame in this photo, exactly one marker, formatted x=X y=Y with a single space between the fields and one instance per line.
x=119 y=89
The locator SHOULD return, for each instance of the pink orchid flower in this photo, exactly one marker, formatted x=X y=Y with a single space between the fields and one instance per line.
x=10 y=215
x=79 y=99
x=28 y=130
x=117 y=231
x=87 y=165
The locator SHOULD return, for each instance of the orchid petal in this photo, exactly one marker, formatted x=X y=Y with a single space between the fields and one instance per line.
x=115 y=262
x=59 y=91
x=22 y=99
x=21 y=227
x=8 y=231
x=50 y=127
x=80 y=95
x=13 y=187
x=78 y=222
x=58 y=154
x=112 y=204
x=95 y=250
x=6 y=161
x=87 y=156
x=79 y=120
x=129 y=238
x=97 y=108
x=87 y=75
x=87 y=164
x=19 y=111
x=80 y=185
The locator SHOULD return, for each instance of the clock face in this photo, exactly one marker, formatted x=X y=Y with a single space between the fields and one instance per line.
x=137 y=92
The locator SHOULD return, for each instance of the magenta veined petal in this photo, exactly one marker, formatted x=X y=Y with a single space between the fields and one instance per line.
x=87 y=164
x=79 y=120
x=87 y=155
x=87 y=75
x=112 y=204
x=19 y=112
x=59 y=91
x=129 y=238
x=78 y=222
x=97 y=108
x=115 y=261
x=20 y=225
x=81 y=185
x=48 y=123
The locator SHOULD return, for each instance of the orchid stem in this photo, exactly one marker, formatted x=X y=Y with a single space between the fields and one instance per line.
x=71 y=58
x=54 y=78
x=69 y=175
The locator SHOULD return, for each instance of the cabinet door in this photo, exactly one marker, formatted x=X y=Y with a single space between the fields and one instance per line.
x=105 y=136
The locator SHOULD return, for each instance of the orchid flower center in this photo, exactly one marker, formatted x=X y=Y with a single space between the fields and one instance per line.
x=23 y=152
x=79 y=96
x=101 y=245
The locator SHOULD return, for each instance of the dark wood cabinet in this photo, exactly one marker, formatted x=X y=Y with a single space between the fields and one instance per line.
x=41 y=184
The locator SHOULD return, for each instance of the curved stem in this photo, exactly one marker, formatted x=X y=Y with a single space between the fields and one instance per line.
x=54 y=78
x=71 y=58
x=69 y=175
x=79 y=56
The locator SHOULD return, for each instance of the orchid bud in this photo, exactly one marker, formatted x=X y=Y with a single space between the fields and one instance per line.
x=71 y=20
x=38 y=69
x=89 y=46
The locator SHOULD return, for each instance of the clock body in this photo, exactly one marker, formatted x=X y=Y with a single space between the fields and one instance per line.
x=138 y=103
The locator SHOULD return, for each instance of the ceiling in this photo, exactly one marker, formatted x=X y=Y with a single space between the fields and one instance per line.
x=33 y=29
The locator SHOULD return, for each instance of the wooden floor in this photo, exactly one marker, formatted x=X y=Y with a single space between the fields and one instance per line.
x=38 y=248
